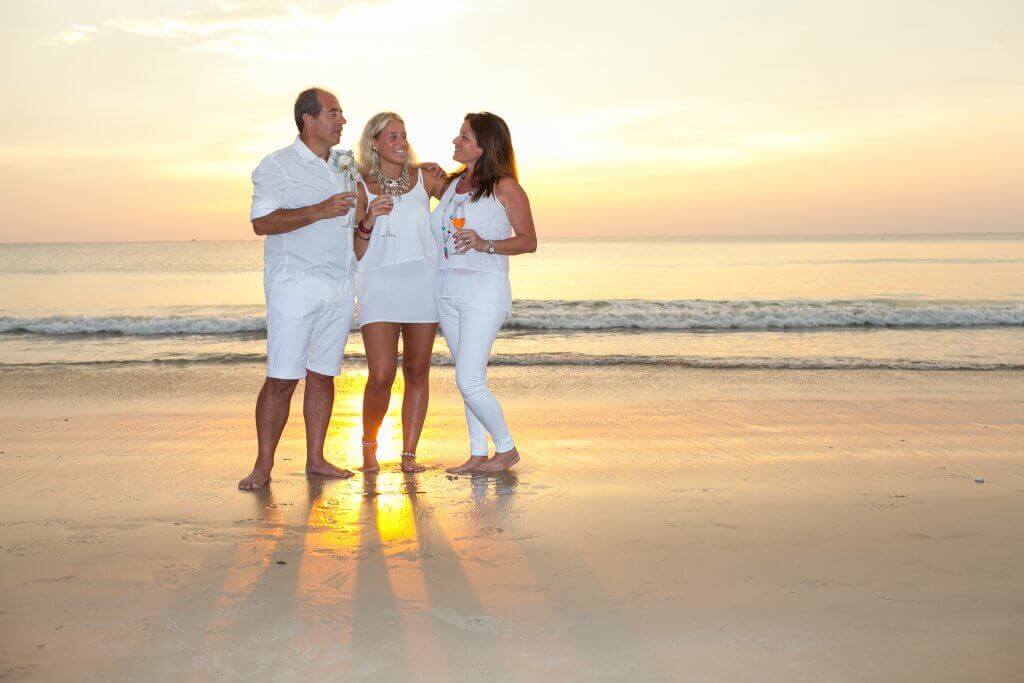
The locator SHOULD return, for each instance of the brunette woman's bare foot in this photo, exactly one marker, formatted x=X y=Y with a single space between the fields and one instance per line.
x=409 y=464
x=499 y=463
x=370 y=457
x=470 y=465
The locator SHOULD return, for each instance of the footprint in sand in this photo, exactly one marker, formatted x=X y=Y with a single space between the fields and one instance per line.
x=475 y=623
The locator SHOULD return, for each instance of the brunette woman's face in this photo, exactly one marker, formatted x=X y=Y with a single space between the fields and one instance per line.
x=393 y=144
x=466 y=149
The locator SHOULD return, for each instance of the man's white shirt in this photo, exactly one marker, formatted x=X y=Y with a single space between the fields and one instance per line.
x=293 y=178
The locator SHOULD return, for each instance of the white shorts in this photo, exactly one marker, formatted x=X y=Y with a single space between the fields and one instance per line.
x=308 y=322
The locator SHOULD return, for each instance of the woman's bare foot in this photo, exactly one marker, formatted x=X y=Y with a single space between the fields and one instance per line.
x=257 y=479
x=469 y=466
x=499 y=463
x=370 y=457
x=409 y=464
x=326 y=469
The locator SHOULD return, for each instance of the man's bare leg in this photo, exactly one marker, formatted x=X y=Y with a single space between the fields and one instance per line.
x=499 y=462
x=317 y=405
x=272 y=407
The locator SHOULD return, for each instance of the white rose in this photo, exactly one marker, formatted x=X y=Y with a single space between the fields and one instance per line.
x=345 y=160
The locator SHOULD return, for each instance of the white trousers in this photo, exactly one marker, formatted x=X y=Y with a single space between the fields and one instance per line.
x=470 y=329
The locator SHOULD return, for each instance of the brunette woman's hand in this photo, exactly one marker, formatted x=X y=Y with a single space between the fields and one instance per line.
x=467 y=239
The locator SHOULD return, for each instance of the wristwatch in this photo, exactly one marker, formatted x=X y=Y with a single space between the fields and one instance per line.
x=490 y=246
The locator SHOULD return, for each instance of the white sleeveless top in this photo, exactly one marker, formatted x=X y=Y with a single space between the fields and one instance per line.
x=395 y=281
x=475 y=275
x=410 y=227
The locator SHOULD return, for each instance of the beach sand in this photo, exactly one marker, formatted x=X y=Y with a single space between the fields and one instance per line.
x=665 y=524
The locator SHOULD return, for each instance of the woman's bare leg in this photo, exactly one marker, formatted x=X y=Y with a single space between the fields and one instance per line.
x=417 y=348
x=381 y=343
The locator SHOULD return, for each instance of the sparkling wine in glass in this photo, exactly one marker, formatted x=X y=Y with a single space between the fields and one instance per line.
x=458 y=223
x=348 y=185
x=388 y=232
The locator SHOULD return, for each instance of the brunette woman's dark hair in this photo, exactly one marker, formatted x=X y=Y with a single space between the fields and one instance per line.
x=498 y=159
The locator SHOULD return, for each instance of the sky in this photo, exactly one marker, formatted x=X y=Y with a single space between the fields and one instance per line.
x=143 y=121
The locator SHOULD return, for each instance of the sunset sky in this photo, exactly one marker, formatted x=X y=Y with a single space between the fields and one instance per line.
x=142 y=121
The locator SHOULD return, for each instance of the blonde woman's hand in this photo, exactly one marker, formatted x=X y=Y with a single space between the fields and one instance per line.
x=434 y=169
x=381 y=206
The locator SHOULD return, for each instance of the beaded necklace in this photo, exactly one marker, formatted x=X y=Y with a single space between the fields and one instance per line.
x=391 y=187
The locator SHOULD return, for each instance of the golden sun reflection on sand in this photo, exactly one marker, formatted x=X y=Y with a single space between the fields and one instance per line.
x=344 y=443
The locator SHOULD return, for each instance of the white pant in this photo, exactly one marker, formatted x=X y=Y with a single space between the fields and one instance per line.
x=470 y=329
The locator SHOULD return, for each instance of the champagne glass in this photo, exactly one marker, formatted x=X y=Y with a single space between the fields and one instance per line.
x=347 y=184
x=458 y=223
x=388 y=232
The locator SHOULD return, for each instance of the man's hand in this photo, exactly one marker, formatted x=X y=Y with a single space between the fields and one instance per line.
x=337 y=205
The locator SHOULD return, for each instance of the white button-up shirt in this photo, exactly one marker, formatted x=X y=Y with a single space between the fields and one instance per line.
x=293 y=178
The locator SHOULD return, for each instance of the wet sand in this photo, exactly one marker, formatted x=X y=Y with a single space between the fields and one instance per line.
x=664 y=525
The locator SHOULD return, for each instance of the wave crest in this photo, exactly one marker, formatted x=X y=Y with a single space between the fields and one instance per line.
x=593 y=315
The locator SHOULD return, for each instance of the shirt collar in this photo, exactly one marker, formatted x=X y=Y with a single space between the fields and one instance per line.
x=305 y=153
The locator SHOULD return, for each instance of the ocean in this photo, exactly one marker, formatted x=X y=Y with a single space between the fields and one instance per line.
x=943 y=302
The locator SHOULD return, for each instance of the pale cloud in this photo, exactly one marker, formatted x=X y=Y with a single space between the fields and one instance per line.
x=249 y=29
x=72 y=35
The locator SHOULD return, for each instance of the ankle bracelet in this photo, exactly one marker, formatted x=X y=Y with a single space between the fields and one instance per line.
x=408 y=454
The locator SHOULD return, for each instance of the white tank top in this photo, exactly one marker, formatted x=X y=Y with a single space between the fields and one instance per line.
x=410 y=227
x=475 y=275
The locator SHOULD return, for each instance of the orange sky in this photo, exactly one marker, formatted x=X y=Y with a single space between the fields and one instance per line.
x=653 y=118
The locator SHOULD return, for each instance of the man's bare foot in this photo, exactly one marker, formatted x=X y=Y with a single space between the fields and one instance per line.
x=499 y=463
x=326 y=469
x=409 y=464
x=469 y=466
x=257 y=479
x=370 y=457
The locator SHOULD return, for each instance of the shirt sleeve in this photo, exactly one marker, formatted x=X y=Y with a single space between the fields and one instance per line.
x=269 y=189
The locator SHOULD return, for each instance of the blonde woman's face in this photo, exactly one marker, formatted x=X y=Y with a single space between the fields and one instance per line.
x=393 y=144
x=466 y=149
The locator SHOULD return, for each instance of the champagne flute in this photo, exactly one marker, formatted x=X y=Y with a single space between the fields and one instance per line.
x=458 y=223
x=387 y=219
x=347 y=184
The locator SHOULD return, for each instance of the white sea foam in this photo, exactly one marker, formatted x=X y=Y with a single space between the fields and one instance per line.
x=595 y=315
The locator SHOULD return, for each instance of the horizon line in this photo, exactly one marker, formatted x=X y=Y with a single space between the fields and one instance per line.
x=594 y=238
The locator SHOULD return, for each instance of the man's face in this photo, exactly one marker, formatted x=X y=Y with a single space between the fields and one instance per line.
x=326 y=126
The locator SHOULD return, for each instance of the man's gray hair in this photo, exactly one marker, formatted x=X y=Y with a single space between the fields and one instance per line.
x=307 y=103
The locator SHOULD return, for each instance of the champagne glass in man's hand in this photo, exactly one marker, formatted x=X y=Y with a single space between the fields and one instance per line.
x=348 y=186
x=338 y=205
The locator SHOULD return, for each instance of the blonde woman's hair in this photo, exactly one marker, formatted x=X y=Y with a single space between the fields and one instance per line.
x=367 y=159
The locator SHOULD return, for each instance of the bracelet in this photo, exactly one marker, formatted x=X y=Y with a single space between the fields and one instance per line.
x=360 y=237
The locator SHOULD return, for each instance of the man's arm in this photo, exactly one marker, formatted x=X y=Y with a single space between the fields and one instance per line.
x=287 y=220
x=270 y=191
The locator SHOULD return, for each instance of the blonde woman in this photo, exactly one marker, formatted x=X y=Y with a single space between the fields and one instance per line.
x=395 y=282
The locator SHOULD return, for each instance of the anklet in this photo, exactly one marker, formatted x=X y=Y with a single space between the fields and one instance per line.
x=367 y=444
x=408 y=454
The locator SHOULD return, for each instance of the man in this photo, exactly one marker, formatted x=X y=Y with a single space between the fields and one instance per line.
x=308 y=278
